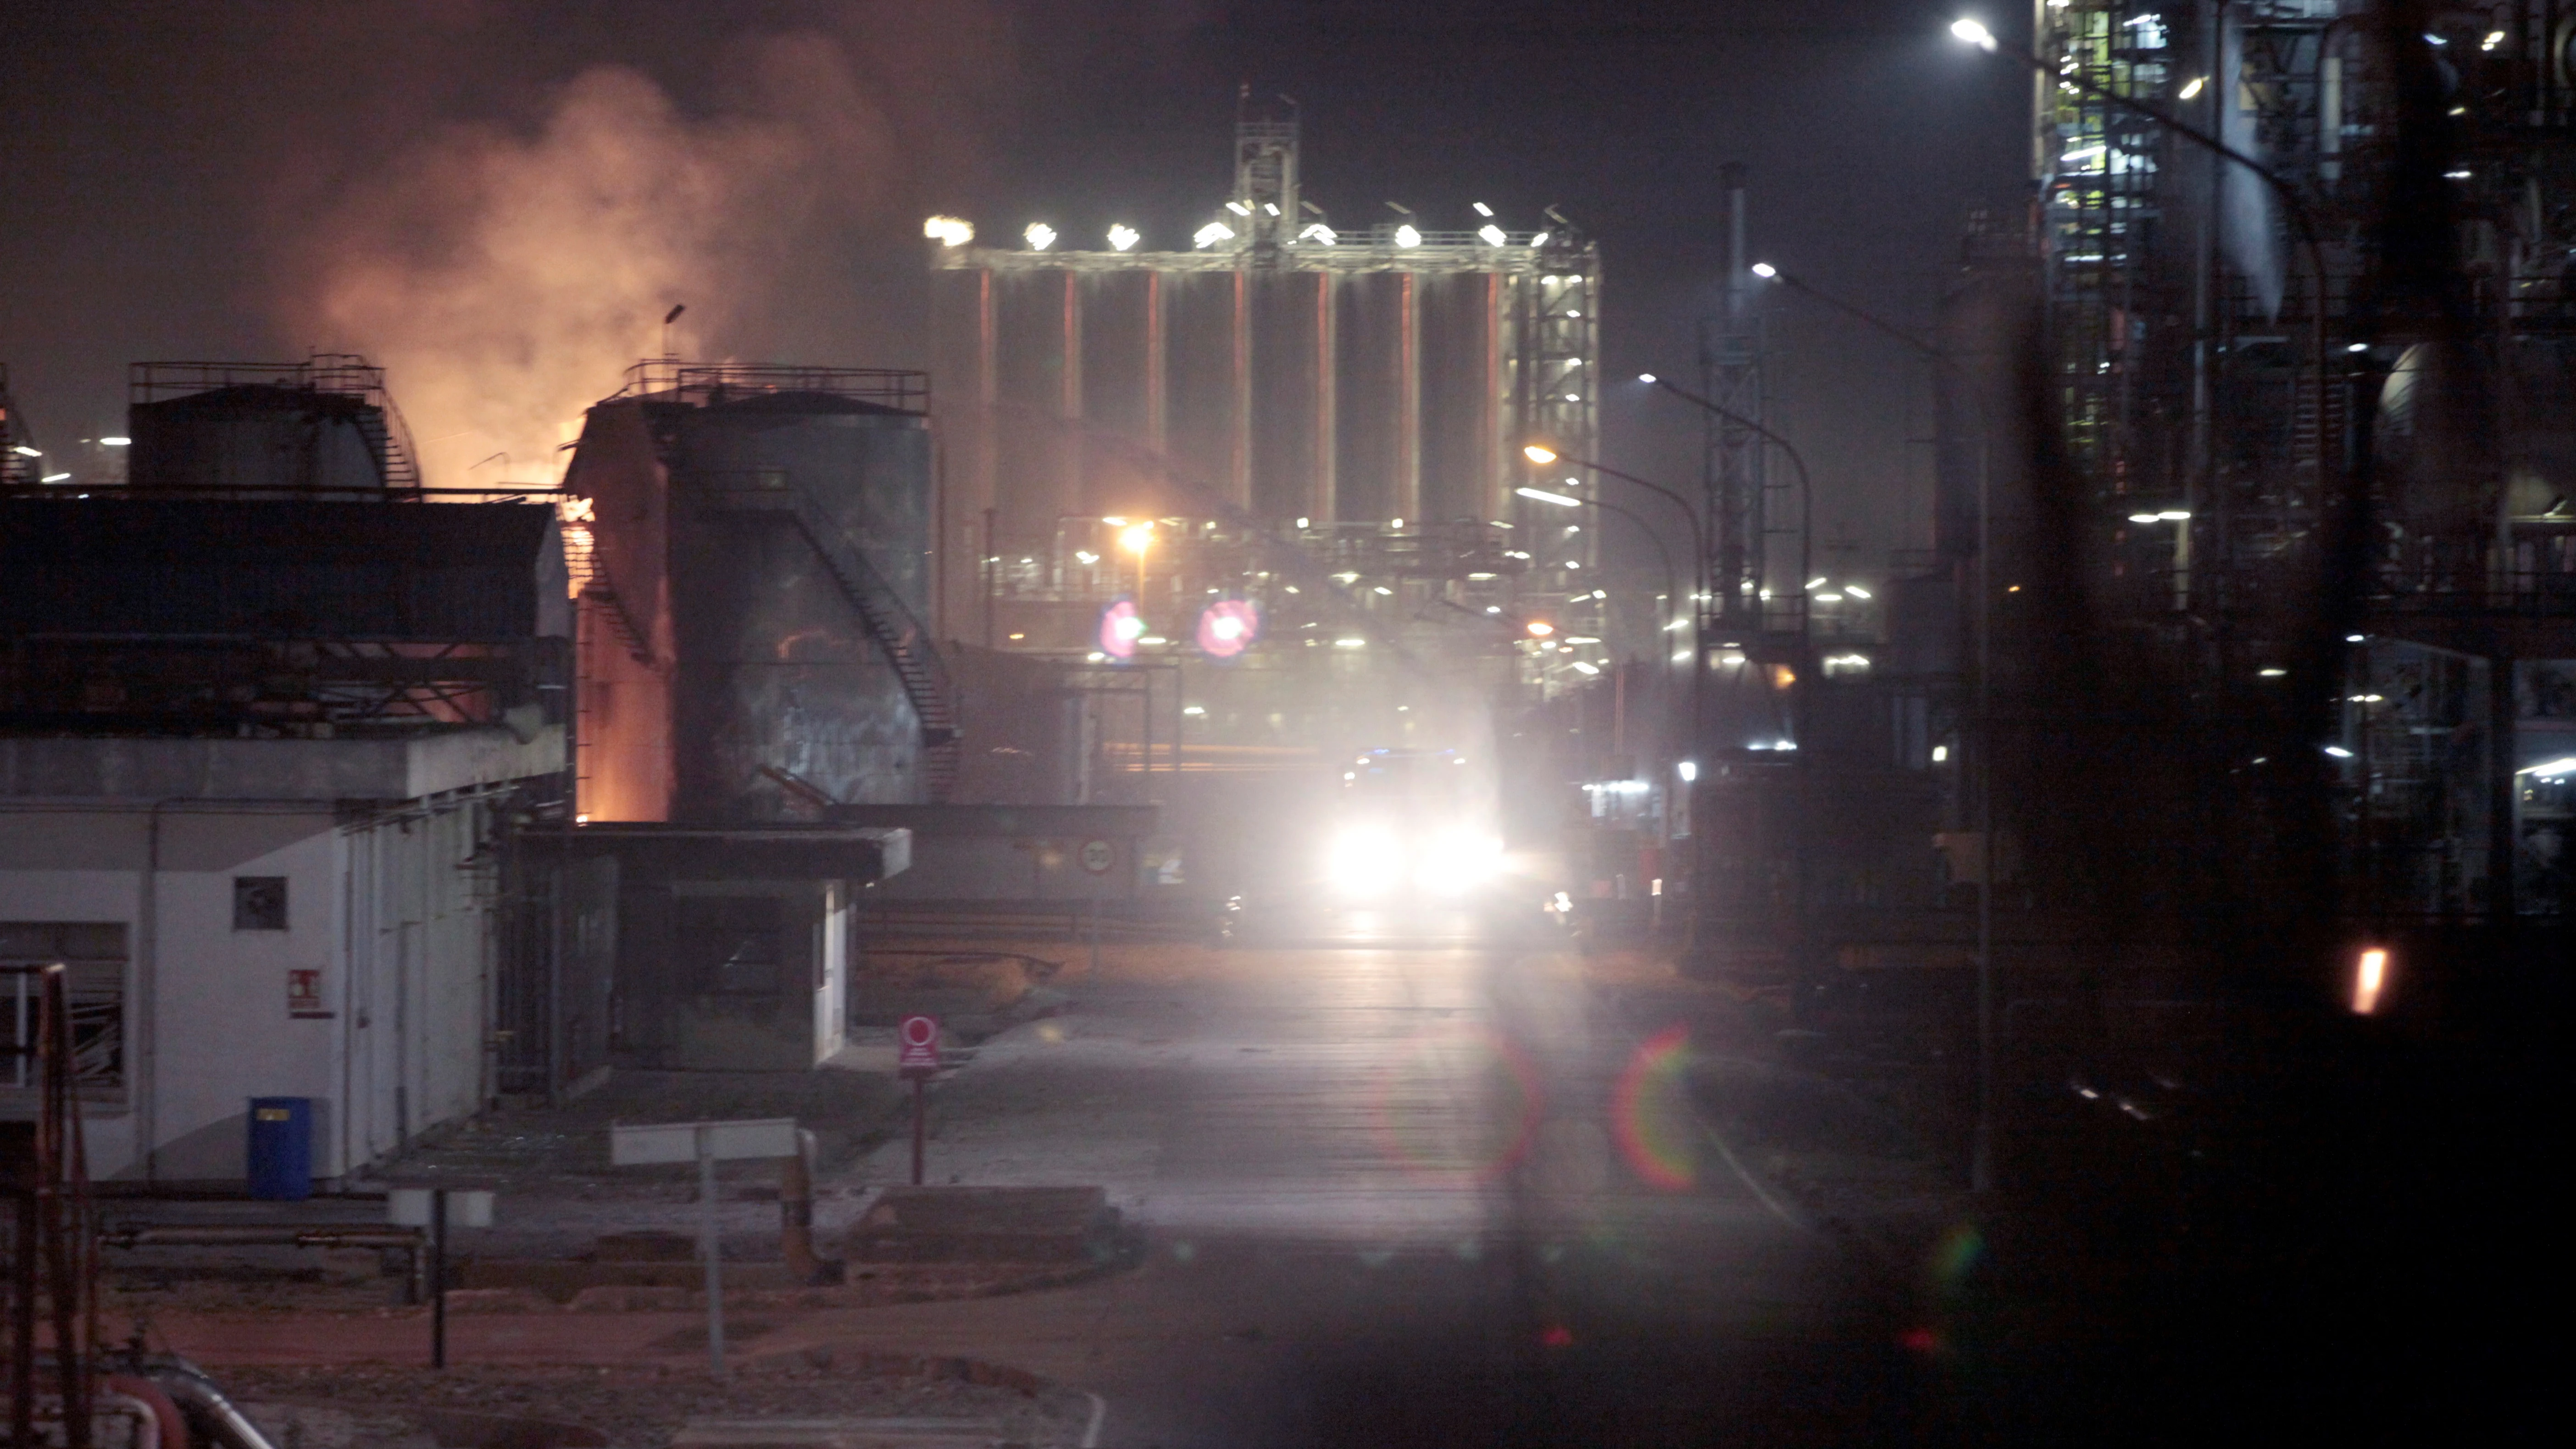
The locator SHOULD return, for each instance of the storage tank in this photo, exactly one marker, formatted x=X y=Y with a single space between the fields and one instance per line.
x=321 y=424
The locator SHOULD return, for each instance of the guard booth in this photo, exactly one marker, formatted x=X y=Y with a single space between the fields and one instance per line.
x=730 y=945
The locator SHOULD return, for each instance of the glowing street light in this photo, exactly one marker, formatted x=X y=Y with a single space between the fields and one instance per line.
x=1040 y=236
x=1543 y=496
x=1136 y=538
x=2369 y=979
x=1974 y=32
x=1490 y=234
x=1539 y=453
x=1765 y=270
x=1406 y=236
x=2191 y=88
x=1210 y=234
x=1122 y=237
x=1540 y=628
x=949 y=231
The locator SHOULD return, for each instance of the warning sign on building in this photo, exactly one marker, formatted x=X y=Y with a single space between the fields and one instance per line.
x=304 y=993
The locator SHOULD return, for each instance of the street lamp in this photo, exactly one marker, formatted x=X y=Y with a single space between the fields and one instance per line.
x=1981 y=1152
x=2334 y=491
x=1979 y=36
x=1803 y=676
x=1137 y=538
x=1806 y=485
x=1672 y=588
x=1544 y=455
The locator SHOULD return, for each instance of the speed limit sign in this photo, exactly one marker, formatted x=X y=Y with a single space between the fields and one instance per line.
x=1097 y=856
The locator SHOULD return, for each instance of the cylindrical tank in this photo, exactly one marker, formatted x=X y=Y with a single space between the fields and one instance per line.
x=1200 y=317
x=779 y=689
x=258 y=435
x=1462 y=460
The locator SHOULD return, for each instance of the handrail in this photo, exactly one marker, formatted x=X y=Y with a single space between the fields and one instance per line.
x=887 y=618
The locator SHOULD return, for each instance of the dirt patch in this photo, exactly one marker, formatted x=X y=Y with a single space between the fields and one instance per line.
x=644 y=1409
x=215 y=1280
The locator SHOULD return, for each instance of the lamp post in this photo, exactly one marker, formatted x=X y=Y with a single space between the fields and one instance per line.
x=1672 y=580
x=1543 y=455
x=1802 y=678
x=1981 y=1154
x=1806 y=490
x=1138 y=538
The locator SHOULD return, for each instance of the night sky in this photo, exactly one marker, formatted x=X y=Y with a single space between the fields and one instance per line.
x=497 y=200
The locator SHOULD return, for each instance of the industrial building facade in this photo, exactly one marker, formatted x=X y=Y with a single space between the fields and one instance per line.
x=1333 y=390
x=271 y=720
x=2318 y=408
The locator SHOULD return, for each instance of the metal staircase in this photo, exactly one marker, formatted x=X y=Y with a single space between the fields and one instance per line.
x=581 y=560
x=889 y=621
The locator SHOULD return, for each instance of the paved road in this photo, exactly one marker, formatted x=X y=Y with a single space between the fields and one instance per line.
x=1401 y=1194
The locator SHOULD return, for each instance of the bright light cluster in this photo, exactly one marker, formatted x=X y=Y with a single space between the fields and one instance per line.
x=949 y=231
x=1368 y=861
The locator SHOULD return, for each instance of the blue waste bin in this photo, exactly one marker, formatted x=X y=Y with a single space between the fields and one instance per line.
x=281 y=1148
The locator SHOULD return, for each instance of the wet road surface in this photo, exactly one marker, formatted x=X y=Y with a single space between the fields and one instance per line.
x=1428 y=1192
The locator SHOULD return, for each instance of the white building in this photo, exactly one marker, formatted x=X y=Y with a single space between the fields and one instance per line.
x=261 y=917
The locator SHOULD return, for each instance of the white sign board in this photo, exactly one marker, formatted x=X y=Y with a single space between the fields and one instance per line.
x=678 y=1141
x=409 y=1207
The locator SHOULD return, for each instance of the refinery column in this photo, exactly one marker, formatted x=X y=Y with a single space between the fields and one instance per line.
x=1325 y=499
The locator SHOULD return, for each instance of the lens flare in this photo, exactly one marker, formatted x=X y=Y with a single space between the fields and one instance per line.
x=1120 y=627
x=1228 y=627
x=1418 y=1124
x=1650 y=1115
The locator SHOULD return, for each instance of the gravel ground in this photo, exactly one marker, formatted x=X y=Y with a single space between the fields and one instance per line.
x=642 y=1410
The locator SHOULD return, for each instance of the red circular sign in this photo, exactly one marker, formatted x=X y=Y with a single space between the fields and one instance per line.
x=1228 y=627
x=1120 y=627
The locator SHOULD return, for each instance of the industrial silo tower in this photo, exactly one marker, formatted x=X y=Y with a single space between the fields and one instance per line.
x=1278 y=372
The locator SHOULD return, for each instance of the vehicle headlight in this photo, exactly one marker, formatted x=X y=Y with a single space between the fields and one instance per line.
x=1364 y=860
x=1456 y=862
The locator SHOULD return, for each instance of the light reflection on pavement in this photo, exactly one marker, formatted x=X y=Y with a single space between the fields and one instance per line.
x=1378 y=1184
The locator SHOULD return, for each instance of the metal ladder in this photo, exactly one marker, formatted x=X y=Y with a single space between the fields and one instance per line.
x=907 y=645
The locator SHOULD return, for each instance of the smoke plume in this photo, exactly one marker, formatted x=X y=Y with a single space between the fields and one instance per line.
x=506 y=276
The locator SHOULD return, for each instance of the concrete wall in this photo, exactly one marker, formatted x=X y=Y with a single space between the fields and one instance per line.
x=420 y=967
x=393 y=906
x=315 y=770
x=206 y=1022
